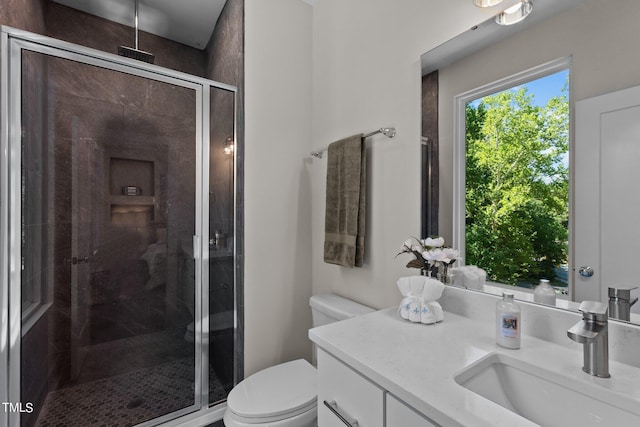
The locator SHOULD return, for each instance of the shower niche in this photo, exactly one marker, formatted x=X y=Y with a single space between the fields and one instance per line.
x=132 y=191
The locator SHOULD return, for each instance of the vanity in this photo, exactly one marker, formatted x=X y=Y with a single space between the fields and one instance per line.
x=381 y=370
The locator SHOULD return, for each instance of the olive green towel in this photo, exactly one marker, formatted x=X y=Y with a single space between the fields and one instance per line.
x=345 y=207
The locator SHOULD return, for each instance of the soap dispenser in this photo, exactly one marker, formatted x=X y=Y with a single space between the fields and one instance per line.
x=544 y=293
x=508 y=323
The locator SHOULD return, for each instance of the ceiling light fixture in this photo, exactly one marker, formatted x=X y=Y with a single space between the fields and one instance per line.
x=486 y=3
x=515 y=13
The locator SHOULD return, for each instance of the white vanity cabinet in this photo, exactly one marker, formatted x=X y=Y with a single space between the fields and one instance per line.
x=346 y=397
x=351 y=396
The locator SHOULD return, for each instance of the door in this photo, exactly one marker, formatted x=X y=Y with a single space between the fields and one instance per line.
x=108 y=192
x=607 y=200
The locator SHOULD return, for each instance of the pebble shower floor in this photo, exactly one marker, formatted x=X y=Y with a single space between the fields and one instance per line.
x=126 y=400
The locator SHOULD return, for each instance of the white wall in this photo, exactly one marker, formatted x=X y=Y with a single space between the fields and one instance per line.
x=367 y=75
x=315 y=72
x=277 y=184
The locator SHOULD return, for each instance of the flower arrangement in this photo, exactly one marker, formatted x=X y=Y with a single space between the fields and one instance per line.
x=429 y=253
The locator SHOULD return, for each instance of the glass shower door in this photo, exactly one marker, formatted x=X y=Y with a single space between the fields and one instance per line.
x=108 y=190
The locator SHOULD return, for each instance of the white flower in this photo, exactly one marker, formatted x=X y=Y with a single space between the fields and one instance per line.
x=445 y=255
x=434 y=243
x=449 y=255
x=407 y=246
x=430 y=250
x=432 y=255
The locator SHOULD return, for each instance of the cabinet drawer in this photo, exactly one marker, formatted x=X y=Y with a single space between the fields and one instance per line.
x=350 y=394
x=399 y=414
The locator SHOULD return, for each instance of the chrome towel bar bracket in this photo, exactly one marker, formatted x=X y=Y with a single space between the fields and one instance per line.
x=388 y=132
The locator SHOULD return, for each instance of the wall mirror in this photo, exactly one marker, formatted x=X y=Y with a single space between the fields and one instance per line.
x=592 y=45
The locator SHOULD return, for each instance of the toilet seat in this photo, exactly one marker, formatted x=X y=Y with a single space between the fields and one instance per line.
x=274 y=394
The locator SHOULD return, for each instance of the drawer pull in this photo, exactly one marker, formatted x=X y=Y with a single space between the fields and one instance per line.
x=347 y=420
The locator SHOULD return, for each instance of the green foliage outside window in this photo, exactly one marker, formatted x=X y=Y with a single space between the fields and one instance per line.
x=517 y=184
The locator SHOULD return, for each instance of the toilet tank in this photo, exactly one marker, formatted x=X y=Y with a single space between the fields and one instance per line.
x=329 y=308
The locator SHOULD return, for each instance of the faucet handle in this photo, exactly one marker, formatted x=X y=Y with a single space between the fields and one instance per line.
x=594 y=311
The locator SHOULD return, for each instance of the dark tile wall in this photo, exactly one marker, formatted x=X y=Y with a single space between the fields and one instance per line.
x=429 y=154
x=74 y=26
x=225 y=51
x=64 y=23
x=23 y=14
x=225 y=63
x=125 y=117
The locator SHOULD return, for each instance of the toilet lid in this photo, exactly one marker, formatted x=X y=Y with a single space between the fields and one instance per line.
x=280 y=390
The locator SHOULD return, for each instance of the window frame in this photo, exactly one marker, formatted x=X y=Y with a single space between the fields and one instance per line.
x=459 y=143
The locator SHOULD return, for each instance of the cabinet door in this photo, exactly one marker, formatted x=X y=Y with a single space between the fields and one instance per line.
x=350 y=394
x=399 y=414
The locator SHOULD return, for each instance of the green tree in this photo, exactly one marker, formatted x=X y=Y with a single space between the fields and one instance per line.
x=517 y=184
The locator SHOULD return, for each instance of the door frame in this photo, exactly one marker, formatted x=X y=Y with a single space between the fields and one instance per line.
x=12 y=42
x=588 y=190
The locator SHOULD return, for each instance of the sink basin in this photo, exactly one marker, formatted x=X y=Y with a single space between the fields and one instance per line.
x=548 y=398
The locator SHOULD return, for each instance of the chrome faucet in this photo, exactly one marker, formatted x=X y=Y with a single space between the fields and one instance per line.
x=620 y=302
x=593 y=332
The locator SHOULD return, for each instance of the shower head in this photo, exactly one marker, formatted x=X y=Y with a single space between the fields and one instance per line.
x=134 y=52
x=138 y=54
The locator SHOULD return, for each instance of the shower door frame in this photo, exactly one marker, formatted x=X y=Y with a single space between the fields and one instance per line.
x=12 y=42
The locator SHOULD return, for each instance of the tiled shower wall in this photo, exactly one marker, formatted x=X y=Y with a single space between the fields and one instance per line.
x=24 y=14
x=225 y=63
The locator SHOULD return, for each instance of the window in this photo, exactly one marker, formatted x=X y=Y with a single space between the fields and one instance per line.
x=513 y=170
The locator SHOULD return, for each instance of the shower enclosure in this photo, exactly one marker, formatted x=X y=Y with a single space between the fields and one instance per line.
x=117 y=184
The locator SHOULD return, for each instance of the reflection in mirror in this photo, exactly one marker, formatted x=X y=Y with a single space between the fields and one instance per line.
x=590 y=44
x=516 y=179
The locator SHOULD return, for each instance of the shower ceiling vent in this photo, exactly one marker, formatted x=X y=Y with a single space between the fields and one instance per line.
x=190 y=22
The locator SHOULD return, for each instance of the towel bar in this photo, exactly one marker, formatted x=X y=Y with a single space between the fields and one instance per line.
x=388 y=132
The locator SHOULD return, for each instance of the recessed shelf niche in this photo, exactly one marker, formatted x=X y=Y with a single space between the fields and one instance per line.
x=132 y=191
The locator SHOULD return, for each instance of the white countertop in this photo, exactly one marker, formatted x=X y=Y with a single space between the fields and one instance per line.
x=418 y=363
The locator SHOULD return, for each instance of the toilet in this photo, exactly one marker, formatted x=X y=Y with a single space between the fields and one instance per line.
x=285 y=395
